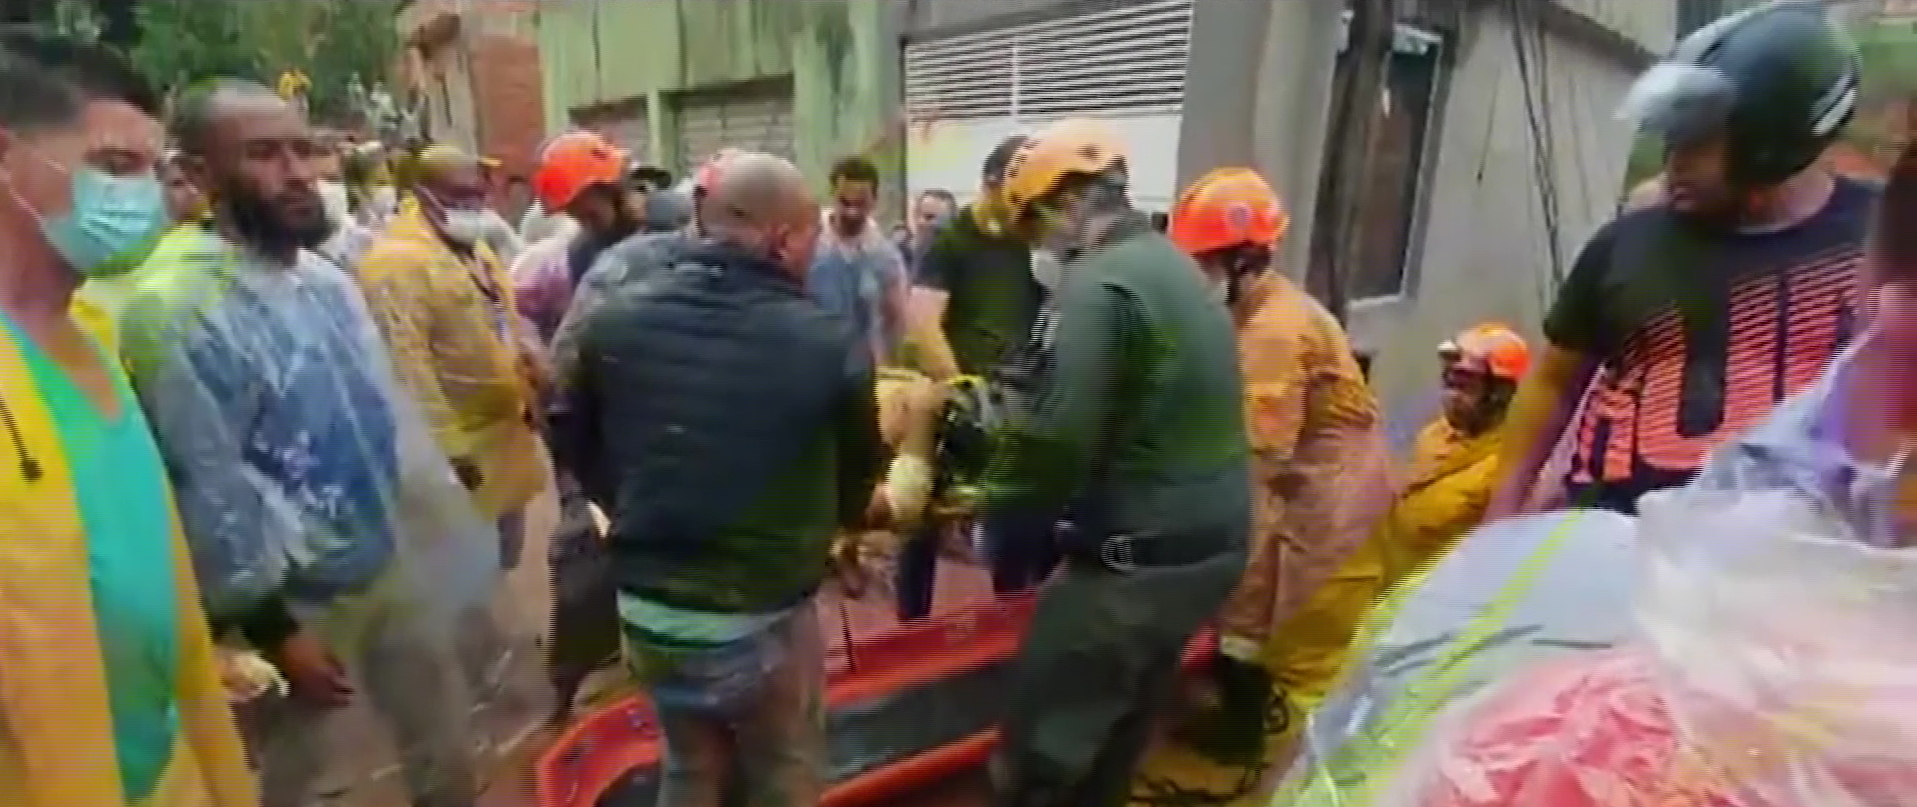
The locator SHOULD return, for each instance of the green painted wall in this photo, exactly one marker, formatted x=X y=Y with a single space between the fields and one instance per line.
x=841 y=55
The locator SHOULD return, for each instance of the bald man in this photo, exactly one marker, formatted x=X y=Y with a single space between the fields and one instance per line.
x=714 y=415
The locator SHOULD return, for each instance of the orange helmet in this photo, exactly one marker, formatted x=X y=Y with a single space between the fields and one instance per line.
x=1226 y=208
x=573 y=162
x=1503 y=351
x=1068 y=147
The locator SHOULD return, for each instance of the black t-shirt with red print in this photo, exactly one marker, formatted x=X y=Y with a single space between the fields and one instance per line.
x=1699 y=333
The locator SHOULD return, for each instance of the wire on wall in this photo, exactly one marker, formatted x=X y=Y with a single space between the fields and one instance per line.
x=1528 y=40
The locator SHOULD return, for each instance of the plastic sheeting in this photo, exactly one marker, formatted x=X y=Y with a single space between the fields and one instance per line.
x=1507 y=595
x=1769 y=667
x=300 y=466
x=303 y=472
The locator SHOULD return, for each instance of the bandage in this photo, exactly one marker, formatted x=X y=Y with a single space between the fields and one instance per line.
x=1240 y=648
x=248 y=676
x=908 y=486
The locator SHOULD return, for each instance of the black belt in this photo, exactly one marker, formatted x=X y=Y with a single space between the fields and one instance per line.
x=1127 y=552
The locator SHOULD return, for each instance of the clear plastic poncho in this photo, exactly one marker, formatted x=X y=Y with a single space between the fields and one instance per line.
x=1770 y=667
x=300 y=466
x=304 y=472
x=1508 y=595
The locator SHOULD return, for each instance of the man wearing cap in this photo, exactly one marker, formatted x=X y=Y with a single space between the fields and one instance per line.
x=640 y=254
x=583 y=176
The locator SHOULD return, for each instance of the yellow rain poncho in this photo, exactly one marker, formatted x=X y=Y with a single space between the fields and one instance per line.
x=56 y=729
x=456 y=345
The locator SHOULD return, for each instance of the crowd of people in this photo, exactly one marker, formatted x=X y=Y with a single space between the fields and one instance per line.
x=277 y=410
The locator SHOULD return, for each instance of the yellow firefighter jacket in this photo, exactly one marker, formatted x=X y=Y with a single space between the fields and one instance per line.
x=1446 y=489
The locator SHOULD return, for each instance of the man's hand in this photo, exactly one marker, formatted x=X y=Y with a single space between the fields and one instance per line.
x=878 y=514
x=311 y=671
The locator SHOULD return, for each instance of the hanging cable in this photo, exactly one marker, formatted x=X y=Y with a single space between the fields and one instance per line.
x=1535 y=81
x=1158 y=791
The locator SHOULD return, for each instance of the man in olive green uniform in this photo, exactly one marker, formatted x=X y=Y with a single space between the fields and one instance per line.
x=1136 y=421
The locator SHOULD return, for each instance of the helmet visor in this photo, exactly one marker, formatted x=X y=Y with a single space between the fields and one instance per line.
x=1683 y=103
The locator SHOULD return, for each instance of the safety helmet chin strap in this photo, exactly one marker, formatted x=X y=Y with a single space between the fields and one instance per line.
x=1242 y=263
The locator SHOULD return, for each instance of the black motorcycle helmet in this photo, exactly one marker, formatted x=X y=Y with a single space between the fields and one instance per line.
x=1779 y=81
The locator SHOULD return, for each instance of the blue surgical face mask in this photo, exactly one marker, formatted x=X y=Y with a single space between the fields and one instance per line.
x=114 y=220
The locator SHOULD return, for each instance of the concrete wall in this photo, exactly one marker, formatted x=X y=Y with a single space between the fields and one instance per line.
x=1258 y=93
x=1485 y=248
x=841 y=54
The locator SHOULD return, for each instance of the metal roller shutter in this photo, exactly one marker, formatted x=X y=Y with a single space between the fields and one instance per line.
x=625 y=123
x=1126 y=63
x=1125 y=60
x=759 y=118
x=633 y=134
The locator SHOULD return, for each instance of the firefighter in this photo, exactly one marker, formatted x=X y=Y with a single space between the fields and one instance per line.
x=1319 y=469
x=1137 y=424
x=1454 y=463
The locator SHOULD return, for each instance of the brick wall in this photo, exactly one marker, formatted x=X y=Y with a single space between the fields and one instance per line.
x=495 y=60
x=508 y=99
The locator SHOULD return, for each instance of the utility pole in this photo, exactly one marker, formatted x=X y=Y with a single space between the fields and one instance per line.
x=1354 y=115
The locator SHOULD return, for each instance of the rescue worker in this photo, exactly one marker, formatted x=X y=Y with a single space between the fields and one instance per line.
x=1684 y=321
x=442 y=300
x=324 y=523
x=579 y=172
x=1454 y=462
x=582 y=175
x=1319 y=474
x=1137 y=425
x=113 y=696
x=640 y=254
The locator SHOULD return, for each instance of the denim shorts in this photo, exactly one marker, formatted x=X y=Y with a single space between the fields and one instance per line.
x=720 y=679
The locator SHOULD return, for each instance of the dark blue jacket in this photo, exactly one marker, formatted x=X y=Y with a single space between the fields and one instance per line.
x=713 y=414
